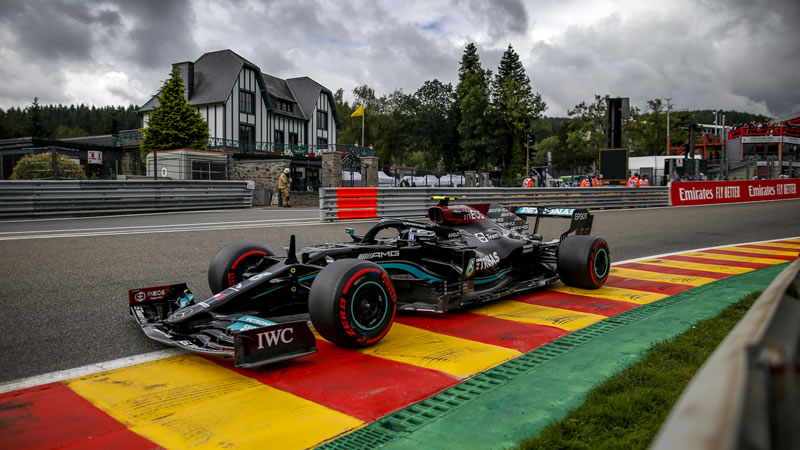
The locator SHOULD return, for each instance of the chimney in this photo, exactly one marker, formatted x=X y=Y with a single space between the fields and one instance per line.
x=187 y=76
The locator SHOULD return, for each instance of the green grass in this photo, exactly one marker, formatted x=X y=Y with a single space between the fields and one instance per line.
x=627 y=410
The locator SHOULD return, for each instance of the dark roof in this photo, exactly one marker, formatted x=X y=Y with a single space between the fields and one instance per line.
x=105 y=140
x=307 y=92
x=787 y=117
x=278 y=87
x=280 y=90
x=29 y=142
x=214 y=75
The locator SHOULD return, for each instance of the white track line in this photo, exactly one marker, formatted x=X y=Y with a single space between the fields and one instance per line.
x=150 y=229
x=148 y=357
x=68 y=374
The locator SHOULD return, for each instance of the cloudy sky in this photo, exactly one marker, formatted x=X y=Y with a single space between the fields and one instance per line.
x=715 y=54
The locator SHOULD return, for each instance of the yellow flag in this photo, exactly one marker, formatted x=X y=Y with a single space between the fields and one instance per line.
x=358 y=112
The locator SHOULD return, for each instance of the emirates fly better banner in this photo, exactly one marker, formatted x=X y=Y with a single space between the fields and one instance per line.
x=685 y=193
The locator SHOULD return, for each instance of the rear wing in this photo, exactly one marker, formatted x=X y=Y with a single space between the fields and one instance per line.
x=581 y=218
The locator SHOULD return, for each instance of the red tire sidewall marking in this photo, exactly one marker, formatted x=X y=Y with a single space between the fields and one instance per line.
x=230 y=276
x=597 y=246
x=342 y=304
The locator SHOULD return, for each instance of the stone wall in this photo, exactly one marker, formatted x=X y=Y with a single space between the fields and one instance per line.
x=331 y=173
x=264 y=173
x=369 y=171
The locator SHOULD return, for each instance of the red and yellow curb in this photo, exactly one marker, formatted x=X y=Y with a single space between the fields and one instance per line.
x=191 y=401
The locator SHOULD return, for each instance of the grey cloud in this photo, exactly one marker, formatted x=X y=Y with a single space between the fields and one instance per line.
x=761 y=40
x=501 y=18
x=657 y=57
x=162 y=33
x=50 y=30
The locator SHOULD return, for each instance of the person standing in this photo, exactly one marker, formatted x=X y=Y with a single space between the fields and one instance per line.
x=283 y=186
x=633 y=181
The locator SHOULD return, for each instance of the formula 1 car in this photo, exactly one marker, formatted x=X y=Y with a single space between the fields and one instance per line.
x=466 y=255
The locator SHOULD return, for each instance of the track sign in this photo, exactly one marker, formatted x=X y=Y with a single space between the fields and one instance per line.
x=95 y=157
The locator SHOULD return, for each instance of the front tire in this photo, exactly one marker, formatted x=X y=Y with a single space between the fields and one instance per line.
x=352 y=303
x=584 y=261
x=229 y=265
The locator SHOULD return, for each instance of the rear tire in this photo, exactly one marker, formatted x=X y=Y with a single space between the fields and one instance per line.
x=352 y=303
x=229 y=265
x=584 y=261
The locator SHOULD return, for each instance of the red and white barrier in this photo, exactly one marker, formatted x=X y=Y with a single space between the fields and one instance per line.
x=357 y=203
x=685 y=193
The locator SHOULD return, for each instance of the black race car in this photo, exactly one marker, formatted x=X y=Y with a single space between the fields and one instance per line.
x=465 y=255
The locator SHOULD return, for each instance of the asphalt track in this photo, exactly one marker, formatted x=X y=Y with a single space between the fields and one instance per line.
x=181 y=388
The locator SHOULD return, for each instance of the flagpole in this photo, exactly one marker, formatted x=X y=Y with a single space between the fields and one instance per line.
x=362 y=129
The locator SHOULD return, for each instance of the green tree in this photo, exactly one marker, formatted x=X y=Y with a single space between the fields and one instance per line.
x=550 y=144
x=427 y=123
x=40 y=167
x=174 y=123
x=472 y=103
x=515 y=107
x=65 y=132
x=34 y=125
x=648 y=131
x=585 y=135
x=112 y=122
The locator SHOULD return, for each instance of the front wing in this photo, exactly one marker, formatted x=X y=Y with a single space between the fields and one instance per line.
x=251 y=341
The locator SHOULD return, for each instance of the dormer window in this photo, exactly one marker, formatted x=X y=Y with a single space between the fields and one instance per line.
x=284 y=106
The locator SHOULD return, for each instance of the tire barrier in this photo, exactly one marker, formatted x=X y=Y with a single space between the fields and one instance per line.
x=49 y=198
x=364 y=203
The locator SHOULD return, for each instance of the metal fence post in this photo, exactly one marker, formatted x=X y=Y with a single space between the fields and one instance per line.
x=54 y=161
x=229 y=166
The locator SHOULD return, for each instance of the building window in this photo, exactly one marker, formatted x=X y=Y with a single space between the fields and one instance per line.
x=247 y=102
x=293 y=139
x=322 y=145
x=322 y=120
x=284 y=106
x=278 y=140
x=247 y=138
x=207 y=170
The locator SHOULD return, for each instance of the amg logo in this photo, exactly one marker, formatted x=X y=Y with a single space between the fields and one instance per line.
x=379 y=255
x=275 y=337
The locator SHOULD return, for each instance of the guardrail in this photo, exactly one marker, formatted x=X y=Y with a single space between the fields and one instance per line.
x=59 y=198
x=354 y=203
x=747 y=394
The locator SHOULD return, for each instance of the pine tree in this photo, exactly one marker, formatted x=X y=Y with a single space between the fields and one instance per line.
x=472 y=103
x=516 y=107
x=174 y=123
x=34 y=126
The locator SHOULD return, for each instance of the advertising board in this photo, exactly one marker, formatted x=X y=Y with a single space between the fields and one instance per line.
x=685 y=193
